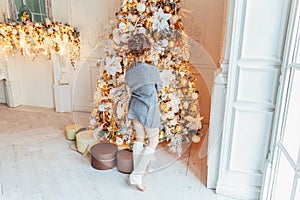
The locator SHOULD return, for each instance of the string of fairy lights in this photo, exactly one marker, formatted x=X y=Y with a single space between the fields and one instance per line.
x=32 y=39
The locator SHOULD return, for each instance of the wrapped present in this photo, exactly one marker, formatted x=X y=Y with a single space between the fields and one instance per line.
x=125 y=161
x=71 y=131
x=103 y=156
x=85 y=140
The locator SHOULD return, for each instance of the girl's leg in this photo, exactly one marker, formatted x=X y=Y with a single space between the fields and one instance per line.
x=147 y=156
x=152 y=136
x=138 y=149
x=138 y=146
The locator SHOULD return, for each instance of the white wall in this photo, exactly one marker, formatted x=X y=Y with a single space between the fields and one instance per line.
x=203 y=22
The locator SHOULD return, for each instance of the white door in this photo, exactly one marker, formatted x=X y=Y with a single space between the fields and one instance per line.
x=283 y=181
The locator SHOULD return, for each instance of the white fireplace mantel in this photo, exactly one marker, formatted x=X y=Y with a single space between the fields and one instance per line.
x=61 y=91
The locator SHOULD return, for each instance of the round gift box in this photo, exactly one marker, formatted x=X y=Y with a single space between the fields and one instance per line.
x=104 y=156
x=125 y=161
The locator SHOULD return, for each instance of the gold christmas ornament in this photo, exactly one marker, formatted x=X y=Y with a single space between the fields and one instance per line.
x=194 y=108
x=161 y=134
x=171 y=44
x=148 y=23
x=167 y=9
x=183 y=82
x=178 y=128
x=172 y=130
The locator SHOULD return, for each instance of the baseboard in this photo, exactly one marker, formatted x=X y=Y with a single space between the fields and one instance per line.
x=2 y=100
x=238 y=191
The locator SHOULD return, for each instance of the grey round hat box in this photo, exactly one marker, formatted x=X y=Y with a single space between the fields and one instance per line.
x=125 y=161
x=103 y=156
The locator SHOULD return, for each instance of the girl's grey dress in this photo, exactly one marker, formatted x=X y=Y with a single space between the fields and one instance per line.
x=143 y=81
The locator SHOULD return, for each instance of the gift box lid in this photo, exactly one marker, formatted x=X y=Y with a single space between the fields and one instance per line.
x=104 y=150
x=124 y=154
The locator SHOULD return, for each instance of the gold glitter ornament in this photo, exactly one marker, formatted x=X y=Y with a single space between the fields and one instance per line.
x=167 y=9
x=178 y=128
x=162 y=134
x=164 y=107
x=183 y=82
x=194 y=108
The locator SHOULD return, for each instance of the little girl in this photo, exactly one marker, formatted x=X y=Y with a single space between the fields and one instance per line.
x=143 y=81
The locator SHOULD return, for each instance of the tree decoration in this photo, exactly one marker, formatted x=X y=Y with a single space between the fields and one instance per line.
x=31 y=39
x=178 y=100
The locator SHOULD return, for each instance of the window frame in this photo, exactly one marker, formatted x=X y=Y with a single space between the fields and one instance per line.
x=13 y=12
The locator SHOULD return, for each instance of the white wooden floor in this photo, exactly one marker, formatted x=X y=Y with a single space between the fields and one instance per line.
x=36 y=163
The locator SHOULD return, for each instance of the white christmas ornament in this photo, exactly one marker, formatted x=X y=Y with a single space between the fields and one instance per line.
x=196 y=138
x=130 y=27
x=120 y=111
x=103 y=107
x=93 y=122
x=119 y=141
x=164 y=42
x=186 y=105
x=122 y=25
x=141 y=7
x=194 y=96
x=140 y=30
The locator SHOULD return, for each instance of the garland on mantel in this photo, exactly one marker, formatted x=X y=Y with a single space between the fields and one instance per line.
x=32 y=39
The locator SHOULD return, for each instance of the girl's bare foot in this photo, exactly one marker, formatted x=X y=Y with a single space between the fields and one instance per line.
x=141 y=188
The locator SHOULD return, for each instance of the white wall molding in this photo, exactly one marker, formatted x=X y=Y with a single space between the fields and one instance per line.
x=218 y=100
x=256 y=62
x=13 y=93
x=3 y=70
x=216 y=128
x=62 y=87
x=63 y=98
x=254 y=71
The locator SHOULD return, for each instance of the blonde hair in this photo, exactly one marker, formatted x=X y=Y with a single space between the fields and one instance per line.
x=139 y=44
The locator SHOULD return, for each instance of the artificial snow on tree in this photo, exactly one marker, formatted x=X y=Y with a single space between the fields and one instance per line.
x=178 y=100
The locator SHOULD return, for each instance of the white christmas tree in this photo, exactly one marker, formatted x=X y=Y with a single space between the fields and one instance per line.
x=161 y=22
